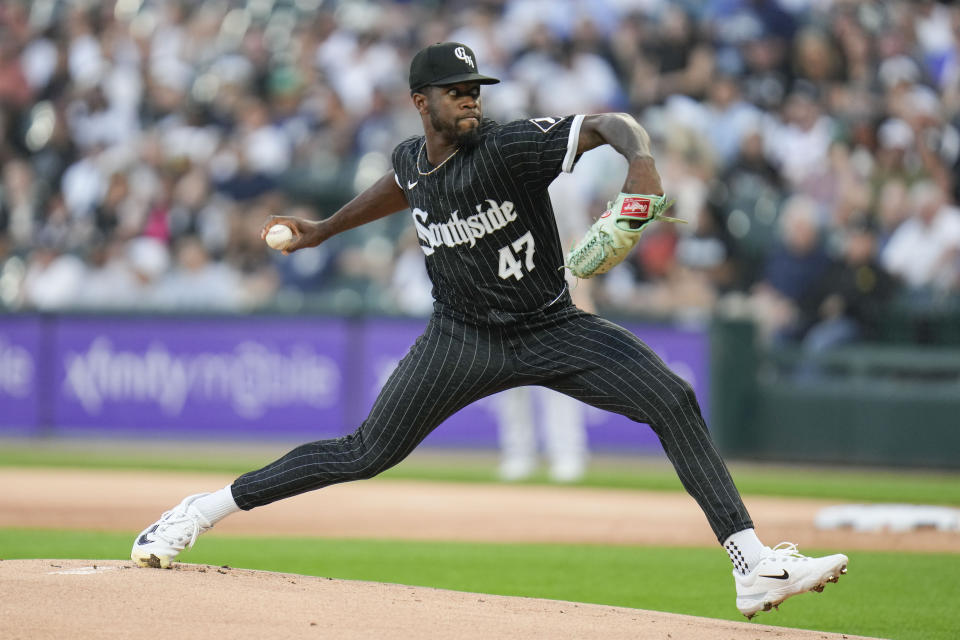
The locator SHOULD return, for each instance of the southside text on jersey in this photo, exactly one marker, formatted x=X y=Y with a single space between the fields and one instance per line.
x=456 y=231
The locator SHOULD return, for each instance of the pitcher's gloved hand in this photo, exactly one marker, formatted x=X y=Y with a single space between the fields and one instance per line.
x=615 y=233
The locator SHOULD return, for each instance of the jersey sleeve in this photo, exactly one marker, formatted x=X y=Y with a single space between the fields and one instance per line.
x=538 y=149
x=400 y=158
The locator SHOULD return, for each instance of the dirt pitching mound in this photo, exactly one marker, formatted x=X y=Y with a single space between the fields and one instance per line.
x=114 y=599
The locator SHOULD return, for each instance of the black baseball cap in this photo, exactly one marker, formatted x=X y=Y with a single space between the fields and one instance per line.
x=445 y=63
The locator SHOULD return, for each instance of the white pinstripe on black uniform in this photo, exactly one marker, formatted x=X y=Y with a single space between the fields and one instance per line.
x=503 y=318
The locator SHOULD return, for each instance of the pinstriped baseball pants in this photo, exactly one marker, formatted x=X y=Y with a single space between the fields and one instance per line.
x=455 y=363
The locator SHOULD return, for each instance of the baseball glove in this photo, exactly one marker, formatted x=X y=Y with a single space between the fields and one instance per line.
x=615 y=233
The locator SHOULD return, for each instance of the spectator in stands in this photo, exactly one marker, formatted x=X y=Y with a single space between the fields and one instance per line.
x=149 y=260
x=683 y=62
x=798 y=144
x=748 y=195
x=196 y=283
x=841 y=191
x=20 y=201
x=723 y=120
x=937 y=141
x=53 y=278
x=847 y=302
x=922 y=252
x=15 y=89
x=856 y=47
x=793 y=269
x=891 y=210
x=709 y=252
x=766 y=76
x=111 y=282
x=816 y=59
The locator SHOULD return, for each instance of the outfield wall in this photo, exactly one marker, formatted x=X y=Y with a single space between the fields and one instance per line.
x=250 y=377
x=867 y=404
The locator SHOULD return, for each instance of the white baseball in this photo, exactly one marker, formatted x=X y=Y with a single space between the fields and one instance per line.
x=279 y=236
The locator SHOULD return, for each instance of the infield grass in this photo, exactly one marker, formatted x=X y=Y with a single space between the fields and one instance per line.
x=621 y=472
x=889 y=595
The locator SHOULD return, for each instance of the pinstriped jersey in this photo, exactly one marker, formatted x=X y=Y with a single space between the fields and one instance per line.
x=483 y=217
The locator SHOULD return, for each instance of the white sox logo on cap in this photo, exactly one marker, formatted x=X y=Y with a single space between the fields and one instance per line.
x=445 y=63
x=462 y=54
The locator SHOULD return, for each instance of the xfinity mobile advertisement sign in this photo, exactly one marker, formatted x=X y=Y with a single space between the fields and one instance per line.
x=259 y=377
x=206 y=377
x=20 y=374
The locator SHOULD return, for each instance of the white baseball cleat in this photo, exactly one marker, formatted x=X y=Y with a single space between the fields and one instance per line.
x=783 y=572
x=176 y=530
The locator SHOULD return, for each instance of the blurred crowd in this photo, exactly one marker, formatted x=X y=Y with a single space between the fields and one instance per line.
x=812 y=145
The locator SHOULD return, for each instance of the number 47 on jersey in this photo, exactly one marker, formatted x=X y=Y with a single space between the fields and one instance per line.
x=510 y=255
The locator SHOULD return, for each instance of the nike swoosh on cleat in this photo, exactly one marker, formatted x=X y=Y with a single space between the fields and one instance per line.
x=783 y=577
x=411 y=185
x=143 y=539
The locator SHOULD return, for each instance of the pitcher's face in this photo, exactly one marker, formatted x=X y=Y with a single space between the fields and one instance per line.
x=455 y=111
